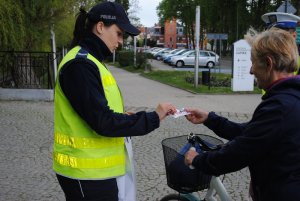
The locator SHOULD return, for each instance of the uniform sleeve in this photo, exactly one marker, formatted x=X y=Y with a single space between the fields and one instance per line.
x=223 y=127
x=258 y=138
x=81 y=83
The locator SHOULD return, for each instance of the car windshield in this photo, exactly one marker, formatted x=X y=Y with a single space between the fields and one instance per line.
x=174 y=51
x=181 y=52
x=187 y=53
x=212 y=54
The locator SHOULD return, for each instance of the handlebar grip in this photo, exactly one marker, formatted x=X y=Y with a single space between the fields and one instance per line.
x=191 y=166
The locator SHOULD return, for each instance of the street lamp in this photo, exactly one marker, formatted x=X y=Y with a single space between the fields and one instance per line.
x=237 y=20
x=145 y=44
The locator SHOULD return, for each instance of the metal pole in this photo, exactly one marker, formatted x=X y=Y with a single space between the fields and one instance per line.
x=220 y=53
x=134 y=50
x=114 y=56
x=53 y=51
x=145 y=45
x=285 y=6
x=220 y=40
x=197 y=45
x=237 y=21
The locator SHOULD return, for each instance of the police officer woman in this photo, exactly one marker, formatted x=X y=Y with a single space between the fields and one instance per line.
x=91 y=157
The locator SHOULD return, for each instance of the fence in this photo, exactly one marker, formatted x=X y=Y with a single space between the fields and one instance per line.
x=26 y=70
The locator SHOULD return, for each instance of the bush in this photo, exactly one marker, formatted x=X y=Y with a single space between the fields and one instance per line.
x=214 y=82
x=126 y=58
x=141 y=60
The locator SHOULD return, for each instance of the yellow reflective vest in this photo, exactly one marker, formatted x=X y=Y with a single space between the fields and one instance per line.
x=79 y=152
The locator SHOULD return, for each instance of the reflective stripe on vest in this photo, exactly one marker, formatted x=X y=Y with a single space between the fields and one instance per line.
x=79 y=152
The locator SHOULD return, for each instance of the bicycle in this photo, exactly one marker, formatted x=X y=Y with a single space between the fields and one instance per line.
x=191 y=180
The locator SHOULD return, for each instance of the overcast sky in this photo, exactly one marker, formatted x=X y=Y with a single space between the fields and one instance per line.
x=147 y=13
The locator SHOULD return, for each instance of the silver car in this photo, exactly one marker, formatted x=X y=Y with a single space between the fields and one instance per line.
x=206 y=58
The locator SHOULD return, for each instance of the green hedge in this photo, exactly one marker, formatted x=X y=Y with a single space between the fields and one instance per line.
x=126 y=58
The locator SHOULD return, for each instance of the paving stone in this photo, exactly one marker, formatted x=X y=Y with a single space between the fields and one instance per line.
x=26 y=140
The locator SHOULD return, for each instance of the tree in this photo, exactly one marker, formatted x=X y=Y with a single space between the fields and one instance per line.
x=41 y=15
x=12 y=29
x=232 y=17
x=134 y=7
x=181 y=10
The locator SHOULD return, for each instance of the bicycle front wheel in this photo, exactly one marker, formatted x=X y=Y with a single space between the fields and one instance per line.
x=174 y=197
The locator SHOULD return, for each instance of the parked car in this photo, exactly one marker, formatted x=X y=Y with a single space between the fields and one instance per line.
x=179 y=56
x=158 y=54
x=206 y=58
x=167 y=58
x=169 y=53
x=155 y=50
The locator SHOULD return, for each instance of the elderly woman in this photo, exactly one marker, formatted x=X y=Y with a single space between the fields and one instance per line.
x=270 y=143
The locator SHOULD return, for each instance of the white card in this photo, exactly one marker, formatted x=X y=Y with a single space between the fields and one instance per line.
x=180 y=113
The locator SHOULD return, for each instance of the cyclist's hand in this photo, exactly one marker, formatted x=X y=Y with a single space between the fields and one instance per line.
x=189 y=157
x=165 y=109
x=196 y=116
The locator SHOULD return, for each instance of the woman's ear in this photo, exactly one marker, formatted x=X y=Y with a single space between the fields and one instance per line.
x=269 y=63
x=99 y=28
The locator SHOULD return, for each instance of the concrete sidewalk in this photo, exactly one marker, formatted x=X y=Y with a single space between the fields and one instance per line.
x=27 y=136
x=141 y=92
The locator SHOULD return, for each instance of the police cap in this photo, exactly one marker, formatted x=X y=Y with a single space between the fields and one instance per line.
x=280 y=20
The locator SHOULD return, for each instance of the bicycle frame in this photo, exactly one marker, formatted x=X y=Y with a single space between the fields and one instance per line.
x=216 y=186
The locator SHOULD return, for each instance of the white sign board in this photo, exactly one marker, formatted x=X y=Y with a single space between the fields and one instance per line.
x=286 y=7
x=215 y=36
x=242 y=79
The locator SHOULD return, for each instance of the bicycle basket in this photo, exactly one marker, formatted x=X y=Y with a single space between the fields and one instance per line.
x=179 y=176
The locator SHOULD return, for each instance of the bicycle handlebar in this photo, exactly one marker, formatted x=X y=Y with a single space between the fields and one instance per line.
x=192 y=138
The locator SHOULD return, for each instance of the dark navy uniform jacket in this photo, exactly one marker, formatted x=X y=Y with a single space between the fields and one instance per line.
x=269 y=144
x=81 y=83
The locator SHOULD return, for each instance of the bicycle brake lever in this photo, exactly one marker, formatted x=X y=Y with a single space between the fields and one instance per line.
x=210 y=147
x=191 y=138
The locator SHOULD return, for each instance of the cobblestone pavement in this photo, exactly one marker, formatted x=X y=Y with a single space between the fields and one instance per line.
x=26 y=130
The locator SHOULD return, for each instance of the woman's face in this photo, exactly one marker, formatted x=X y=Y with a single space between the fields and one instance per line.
x=112 y=35
x=262 y=76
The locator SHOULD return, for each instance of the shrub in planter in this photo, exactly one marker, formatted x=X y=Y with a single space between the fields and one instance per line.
x=213 y=81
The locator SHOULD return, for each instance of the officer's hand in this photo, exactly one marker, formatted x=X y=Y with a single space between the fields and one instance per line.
x=165 y=109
